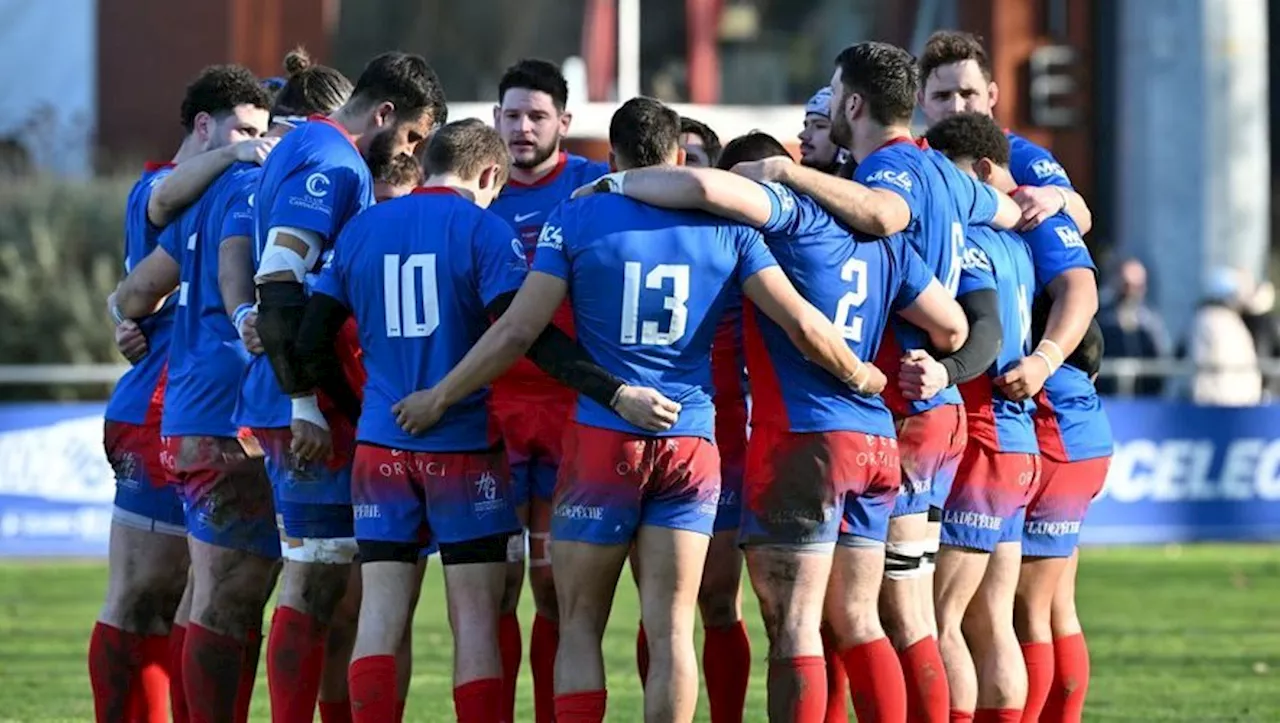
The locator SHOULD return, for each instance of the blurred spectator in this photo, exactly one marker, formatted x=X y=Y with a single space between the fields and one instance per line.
x=1260 y=316
x=1221 y=345
x=1133 y=330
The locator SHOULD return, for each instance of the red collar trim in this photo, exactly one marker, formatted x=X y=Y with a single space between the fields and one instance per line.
x=551 y=175
x=316 y=117
x=153 y=166
x=896 y=141
x=435 y=191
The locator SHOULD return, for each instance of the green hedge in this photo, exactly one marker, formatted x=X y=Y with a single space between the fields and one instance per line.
x=61 y=248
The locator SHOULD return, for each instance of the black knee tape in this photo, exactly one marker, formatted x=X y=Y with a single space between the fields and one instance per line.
x=475 y=552
x=935 y=514
x=929 y=558
x=383 y=551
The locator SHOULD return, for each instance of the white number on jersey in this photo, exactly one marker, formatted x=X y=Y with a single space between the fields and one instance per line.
x=1024 y=316
x=952 y=284
x=854 y=272
x=410 y=315
x=648 y=331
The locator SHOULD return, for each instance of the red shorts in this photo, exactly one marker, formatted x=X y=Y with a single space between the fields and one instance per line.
x=611 y=483
x=931 y=444
x=144 y=498
x=818 y=488
x=227 y=492
x=1058 y=507
x=988 y=501
x=533 y=432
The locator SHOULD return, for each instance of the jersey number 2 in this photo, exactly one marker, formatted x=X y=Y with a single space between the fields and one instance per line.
x=413 y=308
x=648 y=331
x=854 y=273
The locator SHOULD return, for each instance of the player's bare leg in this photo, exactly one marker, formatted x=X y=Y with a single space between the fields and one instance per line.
x=853 y=614
x=929 y=566
x=337 y=649
x=586 y=577
x=908 y=619
x=385 y=609
x=404 y=654
x=306 y=607
x=958 y=576
x=510 y=641
x=545 y=636
x=177 y=639
x=988 y=627
x=791 y=583
x=1038 y=583
x=1071 y=654
x=726 y=651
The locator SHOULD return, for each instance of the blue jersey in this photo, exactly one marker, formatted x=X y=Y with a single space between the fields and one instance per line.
x=316 y=180
x=1000 y=260
x=1032 y=165
x=1070 y=421
x=649 y=286
x=526 y=205
x=135 y=399
x=943 y=202
x=856 y=281
x=207 y=359
x=417 y=274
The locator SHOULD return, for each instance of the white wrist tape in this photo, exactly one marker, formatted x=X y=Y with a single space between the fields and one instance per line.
x=616 y=182
x=307 y=409
x=276 y=258
x=242 y=312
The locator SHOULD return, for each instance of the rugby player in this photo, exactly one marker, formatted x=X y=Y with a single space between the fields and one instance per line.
x=398 y=177
x=811 y=418
x=417 y=317
x=649 y=286
x=900 y=186
x=531 y=409
x=701 y=144
x=1073 y=433
x=983 y=517
x=817 y=151
x=956 y=77
x=147 y=558
x=217 y=473
x=315 y=181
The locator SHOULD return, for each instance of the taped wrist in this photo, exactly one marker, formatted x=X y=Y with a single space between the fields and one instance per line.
x=281 y=306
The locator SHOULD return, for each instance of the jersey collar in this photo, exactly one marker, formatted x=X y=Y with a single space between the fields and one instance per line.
x=317 y=118
x=153 y=166
x=551 y=175
x=435 y=191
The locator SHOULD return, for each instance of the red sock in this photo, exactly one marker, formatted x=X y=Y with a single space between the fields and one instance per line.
x=211 y=674
x=371 y=683
x=642 y=655
x=248 y=674
x=480 y=701
x=1070 y=680
x=585 y=707
x=543 y=642
x=808 y=693
x=726 y=662
x=997 y=715
x=1038 y=657
x=928 y=695
x=177 y=687
x=295 y=659
x=961 y=716
x=510 y=646
x=875 y=682
x=115 y=657
x=837 y=681
x=332 y=711
x=151 y=692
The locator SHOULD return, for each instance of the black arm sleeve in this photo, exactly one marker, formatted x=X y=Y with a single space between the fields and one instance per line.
x=983 y=345
x=561 y=358
x=319 y=366
x=281 y=305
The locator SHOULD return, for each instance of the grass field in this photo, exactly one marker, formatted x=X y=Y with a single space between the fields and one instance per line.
x=1177 y=634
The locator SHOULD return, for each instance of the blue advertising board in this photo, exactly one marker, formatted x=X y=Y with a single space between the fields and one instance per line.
x=1180 y=473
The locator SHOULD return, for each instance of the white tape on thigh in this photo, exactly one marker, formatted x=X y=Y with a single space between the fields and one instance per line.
x=545 y=560
x=903 y=560
x=516 y=547
x=334 y=551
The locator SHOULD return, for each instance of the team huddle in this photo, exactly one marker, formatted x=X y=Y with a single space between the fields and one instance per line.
x=362 y=336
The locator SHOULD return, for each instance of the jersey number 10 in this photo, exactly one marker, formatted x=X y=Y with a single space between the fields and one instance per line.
x=408 y=314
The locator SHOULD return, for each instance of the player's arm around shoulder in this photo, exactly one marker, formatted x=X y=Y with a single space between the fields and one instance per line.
x=722 y=193
x=875 y=211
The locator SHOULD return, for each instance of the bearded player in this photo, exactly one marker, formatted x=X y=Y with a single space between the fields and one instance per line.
x=955 y=74
x=530 y=407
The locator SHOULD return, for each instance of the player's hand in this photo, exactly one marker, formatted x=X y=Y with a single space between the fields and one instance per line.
x=1024 y=380
x=255 y=150
x=921 y=376
x=769 y=169
x=311 y=442
x=1038 y=204
x=130 y=341
x=874 y=383
x=419 y=411
x=249 y=333
x=646 y=408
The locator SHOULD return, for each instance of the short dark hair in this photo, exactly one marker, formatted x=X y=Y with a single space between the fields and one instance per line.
x=754 y=146
x=710 y=141
x=644 y=132
x=885 y=76
x=536 y=74
x=311 y=88
x=464 y=148
x=970 y=136
x=953 y=46
x=219 y=89
x=407 y=82
x=400 y=170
